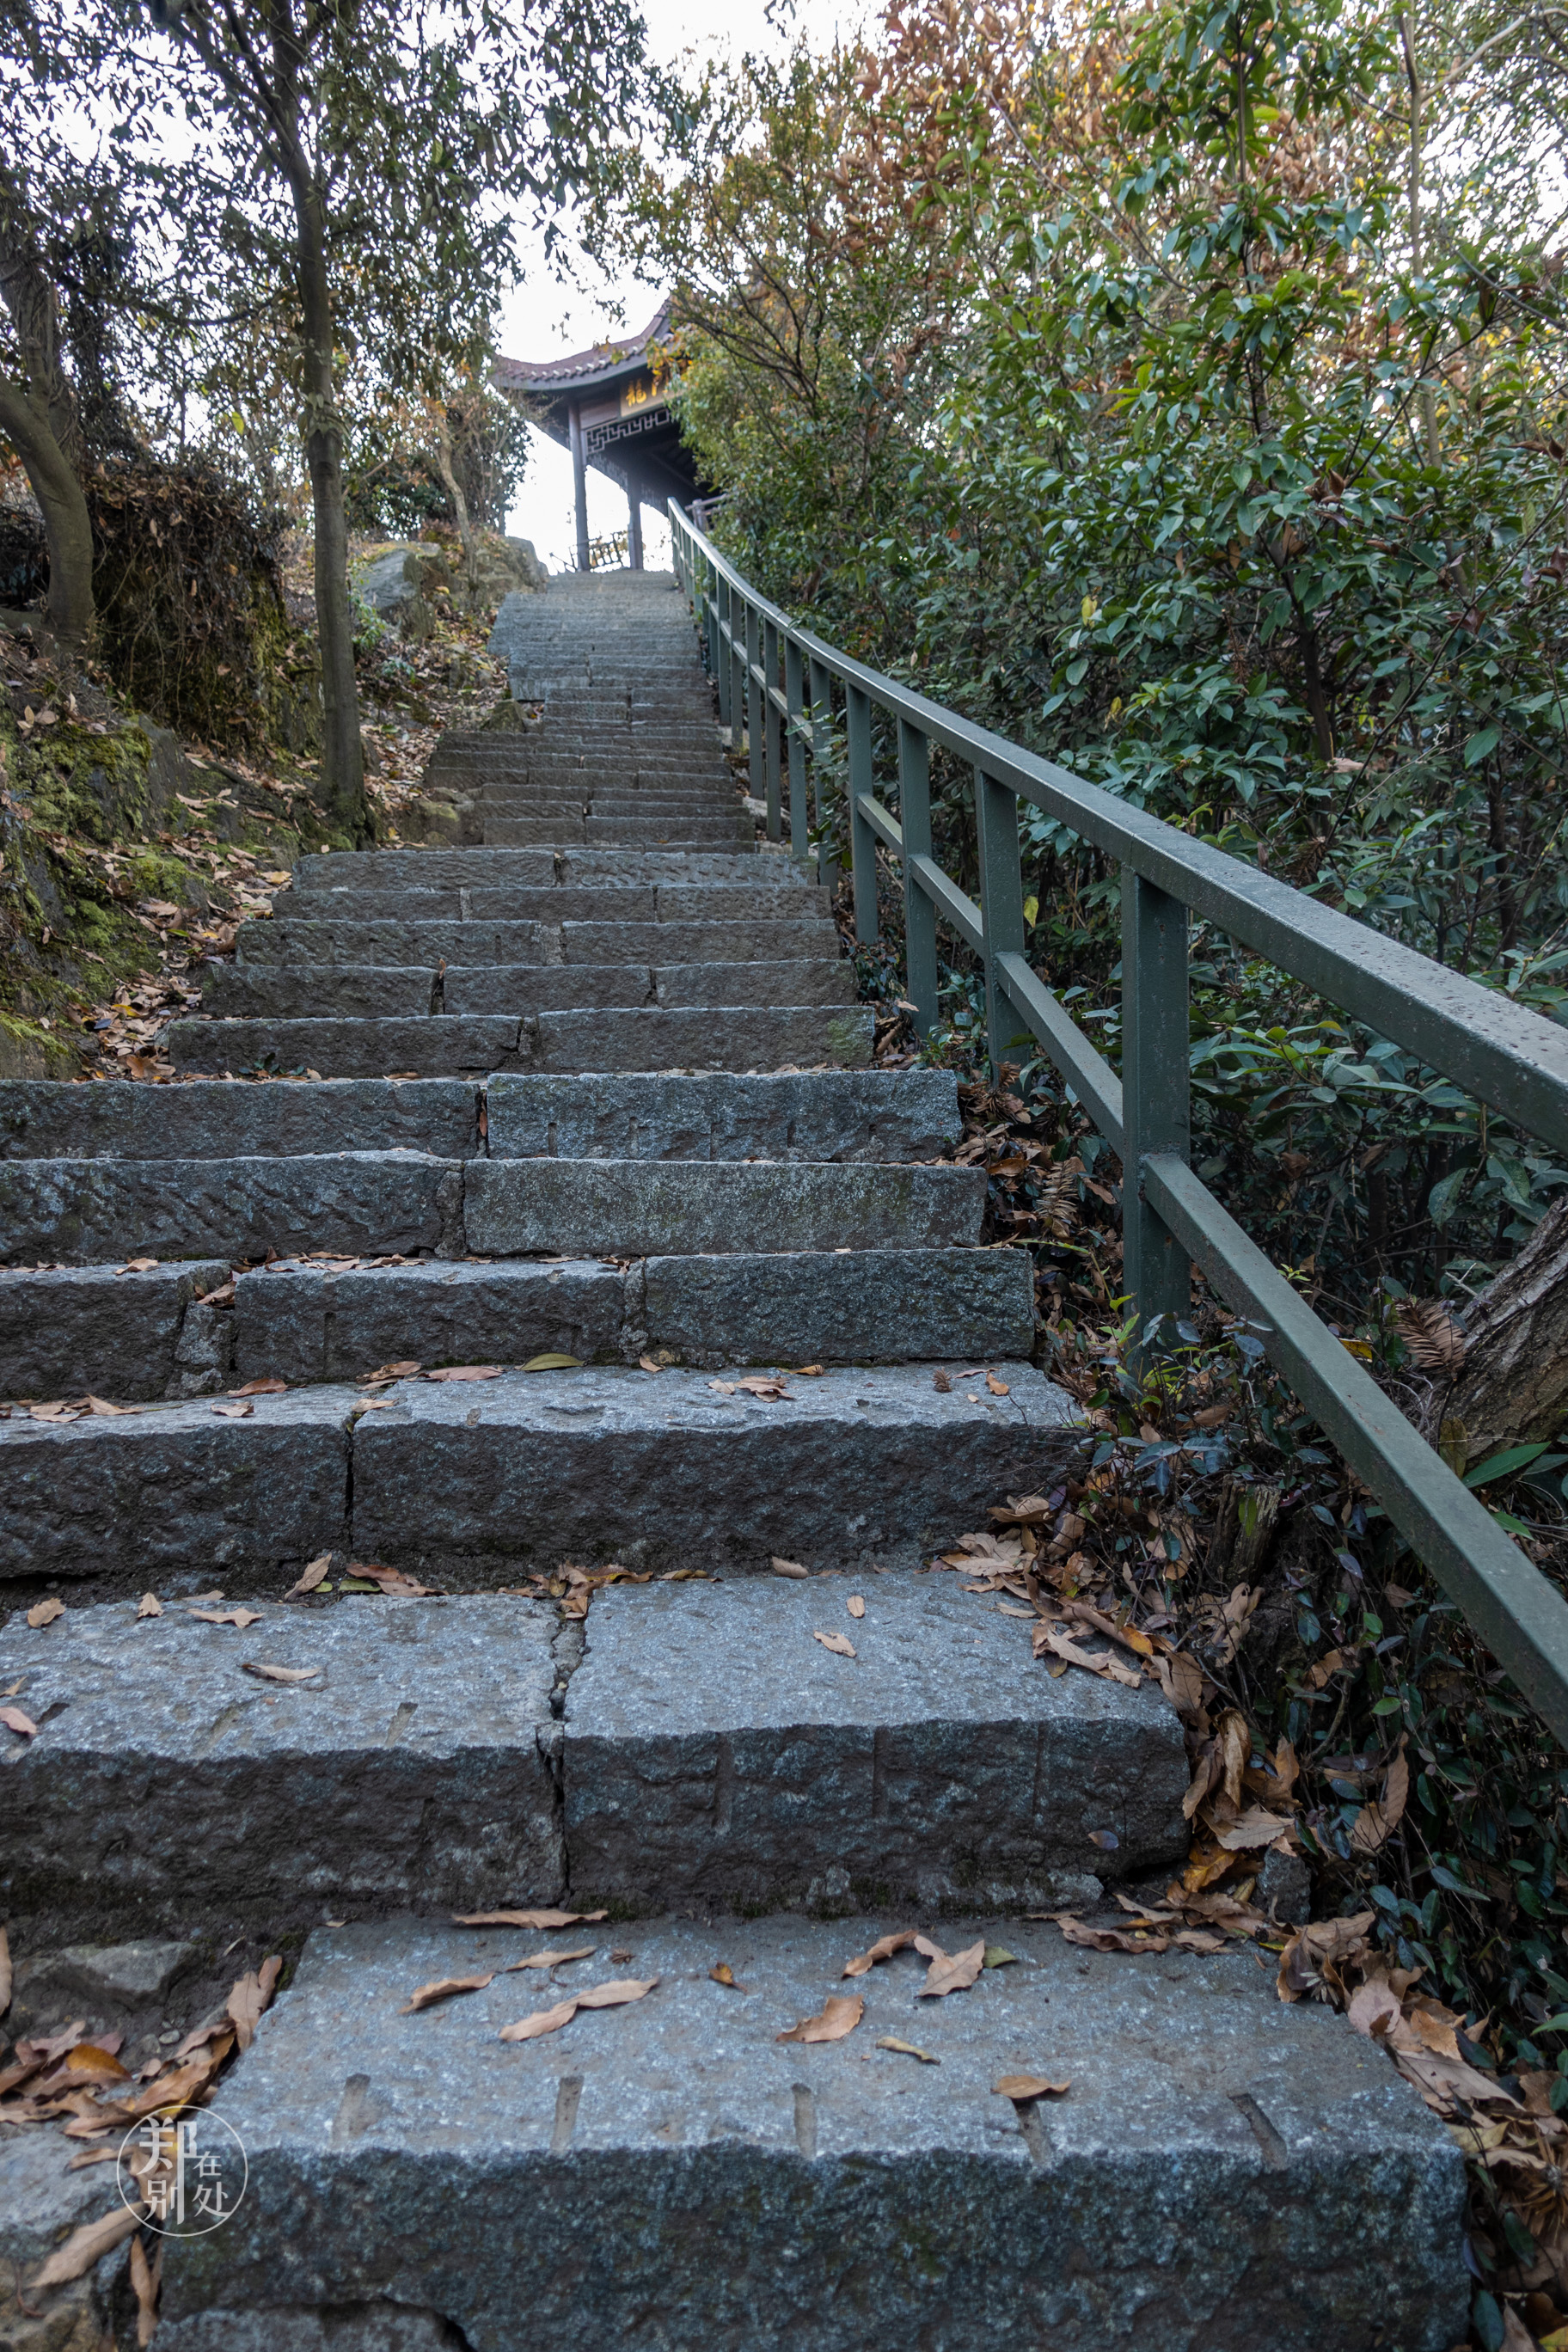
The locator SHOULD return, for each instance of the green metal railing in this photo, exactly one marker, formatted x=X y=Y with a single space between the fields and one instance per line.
x=1510 y=1058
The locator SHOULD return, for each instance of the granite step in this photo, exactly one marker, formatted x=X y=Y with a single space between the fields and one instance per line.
x=85 y=1211
x=667 y=2174
x=481 y=1483
x=690 y=1743
x=842 y=1115
x=729 y=899
x=735 y=832
x=490 y=868
x=644 y=1038
x=298 y=991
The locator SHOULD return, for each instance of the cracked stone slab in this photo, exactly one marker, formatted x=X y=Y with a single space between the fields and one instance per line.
x=175 y=1487
x=648 y=1208
x=215 y=1118
x=815 y=1114
x=857 y=1307
x=297 y=1322
x=432 y=1045
x=1226 y=2173
x=408 y=1772
x=361 y=1203
x=342 y=940
x=608 y=1463
x=717 y=1751
x=96 y=1328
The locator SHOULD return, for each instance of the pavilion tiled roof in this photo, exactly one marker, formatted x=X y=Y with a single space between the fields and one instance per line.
x=601 y=360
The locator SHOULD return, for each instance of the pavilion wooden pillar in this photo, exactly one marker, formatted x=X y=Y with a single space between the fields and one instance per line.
x=633 y=526
x=579 y=484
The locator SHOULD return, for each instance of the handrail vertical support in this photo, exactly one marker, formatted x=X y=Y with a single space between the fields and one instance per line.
x=723 y=665
x=819 y=694
x=772 y=762
x=862 y=840
x=1001 y=904
x=1156 y=1092
x=756 y=746
x=919 y=915
x=793 y=696
x=737 y=674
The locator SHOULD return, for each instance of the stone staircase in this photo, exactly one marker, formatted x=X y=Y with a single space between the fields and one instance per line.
x=594 y=1088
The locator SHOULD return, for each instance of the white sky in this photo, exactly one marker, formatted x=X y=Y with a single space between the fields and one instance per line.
x=544 y=318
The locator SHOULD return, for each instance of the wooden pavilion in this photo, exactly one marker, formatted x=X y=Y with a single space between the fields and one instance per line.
x=607 y=405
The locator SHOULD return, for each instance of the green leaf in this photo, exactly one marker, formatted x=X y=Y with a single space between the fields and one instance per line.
x=553 y=1363
x=1498 y=1466
x=1480 y=744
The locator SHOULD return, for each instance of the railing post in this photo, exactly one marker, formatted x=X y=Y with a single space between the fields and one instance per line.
x=1155 y=1094
x=862 y=840
x=755 y=739
x=773 y=762
x=1001 y=904
x=820 y=684
x=919 y=915
x=794 y=665
x=737 y=674
x=722 y=662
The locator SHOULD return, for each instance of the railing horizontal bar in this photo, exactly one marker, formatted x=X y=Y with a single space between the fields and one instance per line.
x=1088 y=1073
x=1497 y=1050
x=886 y=828
x=780 y=701
x=958 y=911
x=1522 y=1621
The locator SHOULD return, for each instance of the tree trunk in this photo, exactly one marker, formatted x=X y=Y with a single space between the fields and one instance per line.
x=72 y=616
x=342 y=794
x=1512 y=1387
x=39 y=418
x=446 y=466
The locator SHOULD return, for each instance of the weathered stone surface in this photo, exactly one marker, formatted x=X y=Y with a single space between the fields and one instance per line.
x=742 y=1037
x=645 y=1208
x=818 y=1115
x=855 y=1307
x=608 y=1463
x=248 y=991
x=431 y=1047
x=427 y=944
x=211 y=1118
x=309 y=1323
x=407 y=1772
x=98 y=1328
x=612 y=943
x=511 y=988
x=1225 y=2174
x=41 y=2202
x=176 y=1486
x=717 y=1752
x=411 y=869
x=110 y=1986
x=76 y=1211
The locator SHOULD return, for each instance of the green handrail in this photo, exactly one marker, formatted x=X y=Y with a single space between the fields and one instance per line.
x=1492 y=1047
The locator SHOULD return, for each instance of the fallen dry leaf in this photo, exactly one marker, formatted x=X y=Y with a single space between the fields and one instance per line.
x=605 y=1996
x=268 y=1387
x=107 y=1412
x=808 y=1371
x=856 y=1606
x=882 y=1949
x=839 y=1644
x=840 y=2013
x=536 y=1919
x=139 y=1265
x=240 y=1617
x=646 y=1364
x=45 y=1612
x=443 y=1988
x=467 y=1373
x=85 y=2247
x=149 y=1605
x=314 y=1573
x=551 y=1960
x=1255 y=1827
x=1378 y=1820
x=251 y=1997
x=1031 y=2086
x=15 y=1720
x=398 y=1371
x=233 y=1411
x=1060 y=1645
x=1157 y=1933
x=789 y=1567
x=949 y=1971
x=759 y=1387
x=96 y=2062
x=722 y=1973
x=996 y=1387
x=908 y=2049
x=551 y=1362
x=390 y=1579
x=267 y=1672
